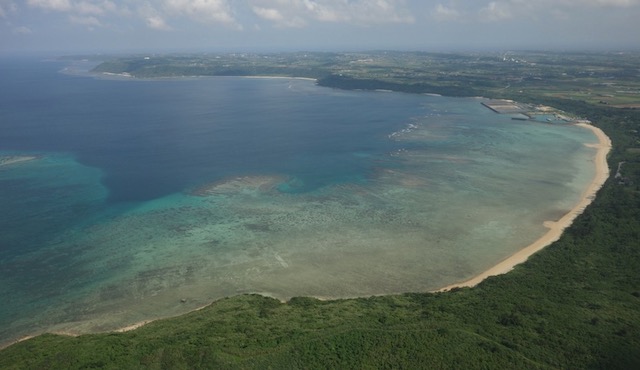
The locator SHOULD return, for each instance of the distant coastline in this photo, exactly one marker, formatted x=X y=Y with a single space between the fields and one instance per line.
x=280 y=77
x=556 y=228
x=125 y=76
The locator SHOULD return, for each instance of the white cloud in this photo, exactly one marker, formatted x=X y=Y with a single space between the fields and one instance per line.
x=22 y=30
x=444 y=13
x=275 y=16
x=501 y=10
x=296 y=13
x=330 y=12
x=152 y=17
x=59 y=5
x=89 y=21
x=620 y=3
x=560 y=15
x=217 y=11
x=496 y=11
x=258 y=14
x=7 y=7
x=380 y=11
x=552 y=4
x=89 y=13
x=157 y=23
x=97 y=8
x=269 y=14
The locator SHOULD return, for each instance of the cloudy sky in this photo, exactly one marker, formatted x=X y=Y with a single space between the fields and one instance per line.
x=274 y=25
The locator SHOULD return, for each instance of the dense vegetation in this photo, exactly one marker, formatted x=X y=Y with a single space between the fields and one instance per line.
x=574 y=305
x=604 y=78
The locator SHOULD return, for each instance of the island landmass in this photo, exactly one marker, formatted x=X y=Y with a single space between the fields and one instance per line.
x=580 y=295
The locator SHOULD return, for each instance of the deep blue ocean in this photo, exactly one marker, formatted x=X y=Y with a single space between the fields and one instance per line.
x=153 y=138
x=302 y=181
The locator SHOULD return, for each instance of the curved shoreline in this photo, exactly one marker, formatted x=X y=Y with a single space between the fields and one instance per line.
x=556 y=228
x=279 y=77
x=555 y=231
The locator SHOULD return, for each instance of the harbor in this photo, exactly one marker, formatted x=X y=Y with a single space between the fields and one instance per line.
x=528 y=112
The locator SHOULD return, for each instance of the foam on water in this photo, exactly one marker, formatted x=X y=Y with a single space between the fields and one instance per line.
x=438 y=195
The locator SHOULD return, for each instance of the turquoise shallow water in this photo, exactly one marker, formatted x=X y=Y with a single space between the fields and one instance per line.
x=147 y=193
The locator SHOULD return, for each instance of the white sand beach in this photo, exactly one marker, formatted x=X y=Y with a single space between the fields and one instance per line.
x=555 y=227
x=282 y=77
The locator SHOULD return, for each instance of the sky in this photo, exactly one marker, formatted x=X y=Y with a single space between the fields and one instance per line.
x=317 y=25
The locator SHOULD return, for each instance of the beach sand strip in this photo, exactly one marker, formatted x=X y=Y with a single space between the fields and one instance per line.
x=555 y=227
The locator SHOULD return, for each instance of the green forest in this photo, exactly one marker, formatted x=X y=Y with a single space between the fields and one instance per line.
x=574 y=305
